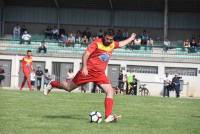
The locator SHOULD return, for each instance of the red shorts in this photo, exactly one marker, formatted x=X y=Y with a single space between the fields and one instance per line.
x=27 y=73
x=98 y=78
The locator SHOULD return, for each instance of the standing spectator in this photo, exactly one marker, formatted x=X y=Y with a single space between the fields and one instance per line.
x=133 y=90
x=78 y=37
x=167 y=85
x=120 y=81
x=42 y=47
x=32 y=78
x=129 y=81
x=48 y=32
x=39 y=74
x=47 y=77
x=26 y=67
x=176 y=85
x=25 y=38
x=125 y=80
x=125 y=34
x=16 y=31
x=2 y=77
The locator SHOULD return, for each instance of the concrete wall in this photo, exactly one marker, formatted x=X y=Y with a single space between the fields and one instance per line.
x=153 y=81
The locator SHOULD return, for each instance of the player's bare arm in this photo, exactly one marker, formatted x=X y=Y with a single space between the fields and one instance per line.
x=84 y=61
x=127 y=41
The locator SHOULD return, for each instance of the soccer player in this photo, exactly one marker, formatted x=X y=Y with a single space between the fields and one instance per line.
x=26 y=67
x=95 y=60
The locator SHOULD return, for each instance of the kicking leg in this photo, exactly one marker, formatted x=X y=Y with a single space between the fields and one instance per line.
x=67 y=86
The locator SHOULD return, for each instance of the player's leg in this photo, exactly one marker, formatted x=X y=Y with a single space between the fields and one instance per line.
x=29 y=83
x=67 y=86
x=23 y=83
x=109 y=91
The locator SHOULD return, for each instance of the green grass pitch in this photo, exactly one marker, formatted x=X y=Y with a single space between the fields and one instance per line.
x=67 y=113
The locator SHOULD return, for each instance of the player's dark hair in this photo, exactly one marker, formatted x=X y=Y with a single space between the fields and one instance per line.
x=28 y=51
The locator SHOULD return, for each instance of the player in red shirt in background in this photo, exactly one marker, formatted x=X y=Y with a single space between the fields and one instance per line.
x=95 y=60
x=26 y=67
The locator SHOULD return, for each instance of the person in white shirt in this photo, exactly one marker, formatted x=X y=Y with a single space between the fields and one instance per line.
x=16 y=31
x=55 y=32
x=32 y=78
x=167 y=84
x=25 y=38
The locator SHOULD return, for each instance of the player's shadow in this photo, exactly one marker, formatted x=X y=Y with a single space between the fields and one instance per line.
x=76 y=117
x=195 y=116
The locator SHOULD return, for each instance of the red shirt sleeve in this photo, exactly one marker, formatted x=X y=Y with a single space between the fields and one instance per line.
x=116 y=44
x=92 y=47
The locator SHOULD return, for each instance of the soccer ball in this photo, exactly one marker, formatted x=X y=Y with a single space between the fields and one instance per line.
x=95 y=117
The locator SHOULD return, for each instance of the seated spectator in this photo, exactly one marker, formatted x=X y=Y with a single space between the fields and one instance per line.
x=78 y=37
x=166 y=45
x=62 y=40
x=42 y=47
x=150 y=43
x=55 y=33
x=48 y=32
x=186 y=45
x=71 y=40
x=23 y=29
x=100 y=33
x=25 y=38
x=16 y=31
x=137 y=43
x=84 y=41
x=118 y=36
x=144 y=38
x=198 y=45
x=125 y=34
x=193 y=45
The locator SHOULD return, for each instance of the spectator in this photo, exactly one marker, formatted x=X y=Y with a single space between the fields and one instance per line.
x=133 y=89
x=47 y=77
x=176 y=85
x=186 y=45
x=129 y=82
x=32 y=78
x=23 y=29
x=125 y=34
x=48 y=32
x=144 y=38
x=120 y=81
x=42 y=47
x=85 y=41
x=2 y=76
x=166 y=45
x=63 y=40
x=198 y=45
x=39 y=74
x=71 y=40
x=16 y=31
x=100 y=33
x=78 y=37
x=55 y=33
x=193 y=45
x=150 y=43
x=25 y=38
x=96 y=88
x=167 y=85
x=137 y=43
x=118 y=36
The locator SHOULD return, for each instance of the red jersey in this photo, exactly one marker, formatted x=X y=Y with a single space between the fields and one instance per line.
x=100 y=55
x=26 y=63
